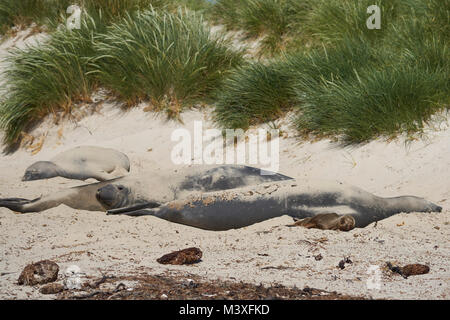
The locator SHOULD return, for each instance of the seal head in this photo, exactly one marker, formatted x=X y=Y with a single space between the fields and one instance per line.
x=41 y=170
x=114 y=196
x=119 y=196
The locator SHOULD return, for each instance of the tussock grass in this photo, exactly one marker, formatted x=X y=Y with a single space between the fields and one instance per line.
x=343 y=80
x=47 y=78
x=24 y=12
x=52 y=12
x=358 y=85
x=292 y=25
x=111 y=10
x=54 y=75
x=335 y=20
x=261 y=92
x=380 y=103
x=253 y=94
x=277 y=22
x=172 y=59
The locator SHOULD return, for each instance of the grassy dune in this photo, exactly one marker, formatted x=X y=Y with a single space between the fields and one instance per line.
x=169 y=59
x=352 y=83
x=178 y=62
x=317 y=58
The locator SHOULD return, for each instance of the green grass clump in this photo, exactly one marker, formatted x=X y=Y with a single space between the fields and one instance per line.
x=227 y=12
x=24 y=12
x=316 y=67
x=253 y=94
x=360 y=90
x=335 y=20
x=52 y=12
x=178 y=57
x=277 y=22
x=358 y=85
x=47 y=78
x=171 y=59
x=258 y=92
x=378 y=103
x=343 y=80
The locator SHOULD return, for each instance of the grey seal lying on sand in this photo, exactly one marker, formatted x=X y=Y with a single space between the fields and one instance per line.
x=81 y=163
x=241 y=207
x=146 y=190
x=225 y=197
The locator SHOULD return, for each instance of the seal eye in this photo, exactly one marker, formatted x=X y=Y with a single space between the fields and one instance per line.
x=120 y=188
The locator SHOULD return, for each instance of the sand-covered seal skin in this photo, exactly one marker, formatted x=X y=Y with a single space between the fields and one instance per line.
x=146 y=190
x=241 y=207
x=159 y=189
x=81 y=163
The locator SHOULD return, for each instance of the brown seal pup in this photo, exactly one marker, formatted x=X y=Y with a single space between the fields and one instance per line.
x=327 y=221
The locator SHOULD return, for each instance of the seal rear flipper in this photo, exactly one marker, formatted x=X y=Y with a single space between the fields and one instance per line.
x=16 y=204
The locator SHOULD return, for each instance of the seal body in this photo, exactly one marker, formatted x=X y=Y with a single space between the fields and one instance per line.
x=226 y=197
x=81 y=198
x=146 y=190
x=81 y=163
x=156 y=188
x=241 y=207
x=327 y=221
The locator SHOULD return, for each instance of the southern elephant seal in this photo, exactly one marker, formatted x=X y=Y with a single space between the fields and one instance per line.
x=241 y=207
x=146 y=190
x=327 y=221
x=81 y=163
x=81 y=197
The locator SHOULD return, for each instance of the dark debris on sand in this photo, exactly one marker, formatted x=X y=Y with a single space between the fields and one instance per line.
x=409 y=270
x=185 y=256
x=156 y=287
x=41 y=272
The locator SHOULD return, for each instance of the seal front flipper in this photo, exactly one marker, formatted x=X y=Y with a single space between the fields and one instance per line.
x=130 y=210
x=13 y=199
x=133 y=213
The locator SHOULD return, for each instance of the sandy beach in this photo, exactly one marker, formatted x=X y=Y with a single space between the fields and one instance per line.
x=122 y=245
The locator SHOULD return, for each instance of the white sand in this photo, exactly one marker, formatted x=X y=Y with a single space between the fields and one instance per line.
x=123 y=245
